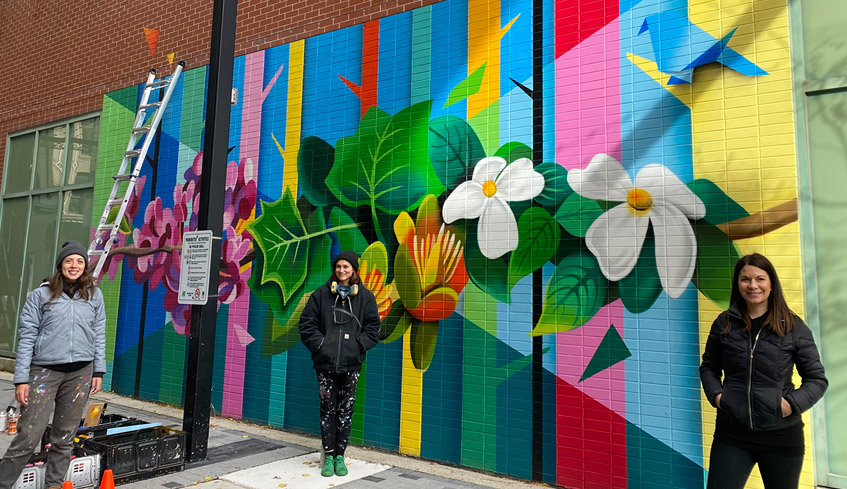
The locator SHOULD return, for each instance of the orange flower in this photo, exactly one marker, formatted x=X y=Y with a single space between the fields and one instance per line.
x=429 y=267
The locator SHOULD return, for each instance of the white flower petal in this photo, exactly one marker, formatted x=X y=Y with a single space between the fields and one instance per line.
x=497 y=232
x=466 y=202
x=603 y=179
x=519 y=182
x=676 y=249
x=665 y=187
x=488 y=168
x=615 y=238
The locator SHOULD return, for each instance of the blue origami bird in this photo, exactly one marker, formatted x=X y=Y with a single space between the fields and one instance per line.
x=679 y=46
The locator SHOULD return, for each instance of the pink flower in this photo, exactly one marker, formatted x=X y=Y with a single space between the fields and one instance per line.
x=159 y=229
x=233 y=279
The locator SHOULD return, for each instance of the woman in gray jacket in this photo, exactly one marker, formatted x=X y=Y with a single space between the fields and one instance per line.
x=61 y=360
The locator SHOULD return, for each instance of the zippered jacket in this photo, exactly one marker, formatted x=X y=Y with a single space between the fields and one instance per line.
x=338 y=340
x=65 y=330
x=753 y=373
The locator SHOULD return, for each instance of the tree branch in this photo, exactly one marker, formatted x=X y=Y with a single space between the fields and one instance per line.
x=761 y=223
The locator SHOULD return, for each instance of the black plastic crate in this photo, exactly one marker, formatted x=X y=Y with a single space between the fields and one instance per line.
x=140 y=454
x=107 y=422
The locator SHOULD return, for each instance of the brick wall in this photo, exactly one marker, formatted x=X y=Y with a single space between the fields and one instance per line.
x=60 y=58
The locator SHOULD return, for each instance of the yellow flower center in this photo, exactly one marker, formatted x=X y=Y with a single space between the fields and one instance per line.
x=639 y=199
x=489 y=188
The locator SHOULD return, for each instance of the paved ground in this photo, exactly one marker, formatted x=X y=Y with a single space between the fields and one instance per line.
x=243 y=455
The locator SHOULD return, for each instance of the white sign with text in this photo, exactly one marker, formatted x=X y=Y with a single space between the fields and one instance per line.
x=194 y=275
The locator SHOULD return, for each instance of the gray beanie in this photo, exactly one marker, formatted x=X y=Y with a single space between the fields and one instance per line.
x=71 y=248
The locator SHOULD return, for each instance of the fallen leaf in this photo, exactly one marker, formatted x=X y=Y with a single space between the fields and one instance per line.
x=305 y=475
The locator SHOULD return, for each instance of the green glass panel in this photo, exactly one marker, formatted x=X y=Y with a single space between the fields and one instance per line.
x=50 y=157
x=11 y=263
x=40 y=257
x=76 y=216
x=823 y=38
x=19 y=166
x=828 y=150
x=82 y=160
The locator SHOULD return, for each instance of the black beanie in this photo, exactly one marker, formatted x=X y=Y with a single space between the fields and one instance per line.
x=348 y=255
x=71 y=248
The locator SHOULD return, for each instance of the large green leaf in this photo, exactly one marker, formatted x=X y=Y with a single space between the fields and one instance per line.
x=491 y=276
x=716 y=258
x=556 y=188
x=386 y=163
x=349 y=236
x=720 y=208
x=640 y=289
x=466 y=87
x=539 y=236
x=454 y=149
x=514 y=151
x=577 y=213
x=282 y=237
x=575 y=293
x=424 y=336
x=314 y=163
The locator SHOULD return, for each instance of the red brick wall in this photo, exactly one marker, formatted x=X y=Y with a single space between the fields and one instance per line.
x=59 y=58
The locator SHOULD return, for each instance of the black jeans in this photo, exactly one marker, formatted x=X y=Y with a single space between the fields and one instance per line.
x=730 y=467
x=338 y=395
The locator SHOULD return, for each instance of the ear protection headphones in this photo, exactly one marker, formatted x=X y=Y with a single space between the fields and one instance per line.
x=344 y=291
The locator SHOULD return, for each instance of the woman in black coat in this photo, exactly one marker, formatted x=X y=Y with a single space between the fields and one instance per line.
x=746 y=373
x=338 y=325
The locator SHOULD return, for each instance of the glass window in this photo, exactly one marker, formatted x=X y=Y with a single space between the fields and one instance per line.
x=19 y=166
x=50 y=158
x=47 y=199
x=11 y=266
x=823 y=39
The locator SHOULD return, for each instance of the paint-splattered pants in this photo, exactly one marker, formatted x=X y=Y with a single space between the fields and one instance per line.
x=338 y=395
x=48 y=389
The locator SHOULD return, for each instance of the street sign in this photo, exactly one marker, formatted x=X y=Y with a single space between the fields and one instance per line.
x=194 y=274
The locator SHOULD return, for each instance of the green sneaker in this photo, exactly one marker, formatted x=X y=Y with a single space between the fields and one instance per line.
x=329 y=467
x=340 y=468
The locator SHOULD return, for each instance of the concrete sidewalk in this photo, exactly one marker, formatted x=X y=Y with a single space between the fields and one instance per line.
x=244 y=455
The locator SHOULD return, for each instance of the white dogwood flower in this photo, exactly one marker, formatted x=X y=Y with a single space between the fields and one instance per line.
x=486 y=196
x=656 y=197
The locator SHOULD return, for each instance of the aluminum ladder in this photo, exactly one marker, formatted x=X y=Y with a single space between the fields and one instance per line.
x=143 y=131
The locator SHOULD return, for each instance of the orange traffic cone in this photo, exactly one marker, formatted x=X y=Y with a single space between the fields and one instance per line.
x=108 y=480
x=68 y=485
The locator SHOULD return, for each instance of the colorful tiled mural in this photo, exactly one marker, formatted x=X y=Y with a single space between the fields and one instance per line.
x=548 y=198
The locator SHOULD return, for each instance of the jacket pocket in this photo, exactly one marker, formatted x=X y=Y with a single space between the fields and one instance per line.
x=734 y=405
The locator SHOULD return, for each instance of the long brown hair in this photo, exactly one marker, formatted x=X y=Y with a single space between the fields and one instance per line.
x=85 y=284
x=354 y=278
x=780 y=317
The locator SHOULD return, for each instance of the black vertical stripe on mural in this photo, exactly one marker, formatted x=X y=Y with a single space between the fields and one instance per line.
x=154 y=166
x=537 y=276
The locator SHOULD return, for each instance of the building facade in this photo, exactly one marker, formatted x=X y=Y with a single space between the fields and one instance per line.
x=548 y=197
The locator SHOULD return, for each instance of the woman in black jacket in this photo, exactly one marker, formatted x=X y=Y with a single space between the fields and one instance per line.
x=754 y=347
x=338 y=325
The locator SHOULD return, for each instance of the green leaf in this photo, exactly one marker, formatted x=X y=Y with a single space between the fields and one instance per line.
x=424 y=337
x=349 y=236
x=386 y=165
x=466 y=87
x=538 y=240
x=577 y=213
x=514 y=151
x=491 y=276
x=394 y=326
x=556 y=188
x=575 y=293
x=454 y=149
x=314 y=163
x=640 y=289
x=282 y=237
x=720 y=208
x=716 y=258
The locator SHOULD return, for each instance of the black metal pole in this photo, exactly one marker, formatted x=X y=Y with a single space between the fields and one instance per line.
x=201 y=343
x=537 y=276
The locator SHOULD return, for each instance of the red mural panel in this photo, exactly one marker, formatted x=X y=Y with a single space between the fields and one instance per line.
x=576 y=21
x=590 y=442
